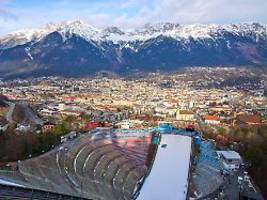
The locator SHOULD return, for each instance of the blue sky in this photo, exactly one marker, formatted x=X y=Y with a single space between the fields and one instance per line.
x=20 y=14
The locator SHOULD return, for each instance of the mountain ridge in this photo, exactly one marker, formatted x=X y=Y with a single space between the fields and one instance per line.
x=78 y=49
x=148 y=31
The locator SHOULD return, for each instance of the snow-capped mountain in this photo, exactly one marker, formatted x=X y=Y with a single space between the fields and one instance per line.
x=114 y=34
x=165 y=46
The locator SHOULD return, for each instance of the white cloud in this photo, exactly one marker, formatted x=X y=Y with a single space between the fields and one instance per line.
x=192 y=11
x=134 y=13
x=5 y=13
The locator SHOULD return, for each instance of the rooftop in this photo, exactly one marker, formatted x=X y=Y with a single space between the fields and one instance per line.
x=229 y=154
x=249 y=119
x=186 y=112
x=212 y=118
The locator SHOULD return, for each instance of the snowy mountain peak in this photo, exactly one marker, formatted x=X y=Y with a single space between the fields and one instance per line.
x=33 y=35
x=77 y=25
x=163 y=27
x=113 y=30
x=114 y=34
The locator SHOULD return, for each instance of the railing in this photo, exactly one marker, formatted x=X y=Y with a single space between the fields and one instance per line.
x=14 y=192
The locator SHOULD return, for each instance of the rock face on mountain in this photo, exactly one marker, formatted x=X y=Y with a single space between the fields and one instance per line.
x=78 y=49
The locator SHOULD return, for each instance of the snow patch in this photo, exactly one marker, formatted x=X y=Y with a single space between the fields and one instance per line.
x=27 y=50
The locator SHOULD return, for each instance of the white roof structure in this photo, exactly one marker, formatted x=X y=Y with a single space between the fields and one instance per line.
x=3 y=182
x=229 y=155
x=168 y=178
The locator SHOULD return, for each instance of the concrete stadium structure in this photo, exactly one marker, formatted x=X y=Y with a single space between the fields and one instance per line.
x=93 y=166
x=109 y=164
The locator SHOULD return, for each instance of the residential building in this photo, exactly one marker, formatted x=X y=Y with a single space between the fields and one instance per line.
x=185 y=115
x=231 y=160
x=212 y=119
x=248 y=119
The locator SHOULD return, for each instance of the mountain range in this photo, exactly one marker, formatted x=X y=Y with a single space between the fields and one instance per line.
x=77 y=49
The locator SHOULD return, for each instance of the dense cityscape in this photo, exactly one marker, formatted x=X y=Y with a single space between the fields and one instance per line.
x=37 y=113
x=133 y=100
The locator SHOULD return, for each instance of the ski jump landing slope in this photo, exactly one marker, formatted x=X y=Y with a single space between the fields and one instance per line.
x=168 y=178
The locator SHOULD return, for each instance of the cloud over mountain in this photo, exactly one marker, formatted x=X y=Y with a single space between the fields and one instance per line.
x=129 y=13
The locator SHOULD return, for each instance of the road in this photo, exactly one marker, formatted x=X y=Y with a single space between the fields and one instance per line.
x=231 y=186
x=10 y=111
x=30 y=115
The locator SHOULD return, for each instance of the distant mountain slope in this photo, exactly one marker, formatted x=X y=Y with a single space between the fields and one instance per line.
x=77 y=49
